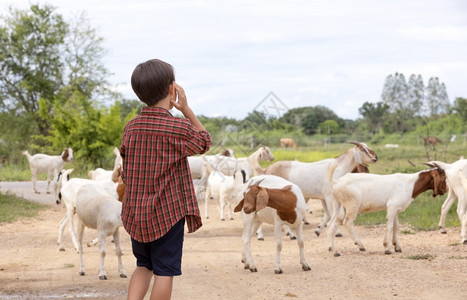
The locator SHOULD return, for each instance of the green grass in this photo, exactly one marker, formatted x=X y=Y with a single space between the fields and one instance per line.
x=13 y=208
x=16 y=173
x=422 y=257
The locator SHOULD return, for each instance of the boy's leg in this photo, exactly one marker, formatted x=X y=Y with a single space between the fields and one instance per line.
x=162 y=288
x=139 y=283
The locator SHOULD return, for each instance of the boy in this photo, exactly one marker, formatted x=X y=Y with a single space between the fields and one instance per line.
x=159 y=194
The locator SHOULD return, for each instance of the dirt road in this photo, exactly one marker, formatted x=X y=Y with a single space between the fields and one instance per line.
x=31 y=267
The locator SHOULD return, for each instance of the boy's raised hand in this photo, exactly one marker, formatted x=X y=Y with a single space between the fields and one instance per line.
x=182 y=106
x=181 y=103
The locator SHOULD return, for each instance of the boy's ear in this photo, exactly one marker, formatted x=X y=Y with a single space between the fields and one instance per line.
x=172 y=88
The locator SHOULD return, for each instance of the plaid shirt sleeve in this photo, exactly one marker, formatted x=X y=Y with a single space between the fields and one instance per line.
x=159 y=188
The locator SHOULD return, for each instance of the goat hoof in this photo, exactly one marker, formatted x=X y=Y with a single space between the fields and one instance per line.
x=254 y=270
x=278 y=271
x=61 y=249
x=48 y=193
x=442 y=230
x=338 y=234
x=317 y=232
x=293 y=237
x=399 y=250
x=362 y=249
x=103 y=277
x=247 y=267
x=231 y=218
x=387 y=252
x=464 y=242
x=306 y=268
x=337 y=254
x=58 y=202
x=222 y=219
x=82 y=273
x=260 y=239
x=123 y=276
x=307 y=223
x=37 y=192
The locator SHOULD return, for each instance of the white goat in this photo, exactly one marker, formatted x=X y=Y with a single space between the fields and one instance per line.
x=98 y=210
x=360 y=193
x=456 y=191
x=312 y=177
x=228 y=165
x=274 y=200
x=102 y=174
x=250 y=164
x=68 y=193
x=462 y=209
x=51 y=165
x=223 y=187
x=196 y=162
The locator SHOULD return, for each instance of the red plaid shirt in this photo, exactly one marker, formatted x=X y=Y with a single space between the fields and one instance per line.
x=159 y=188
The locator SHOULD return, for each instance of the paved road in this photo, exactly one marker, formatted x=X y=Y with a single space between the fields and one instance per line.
x=24 y=189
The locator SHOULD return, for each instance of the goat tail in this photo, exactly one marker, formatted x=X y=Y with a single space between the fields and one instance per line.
x=331 y=168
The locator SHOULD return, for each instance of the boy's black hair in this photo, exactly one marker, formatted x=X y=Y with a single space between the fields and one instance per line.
x=151 y=80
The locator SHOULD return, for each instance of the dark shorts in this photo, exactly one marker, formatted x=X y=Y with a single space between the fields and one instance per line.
x=162 y=256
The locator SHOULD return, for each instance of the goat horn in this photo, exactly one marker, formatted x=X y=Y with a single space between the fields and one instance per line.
x=432 y=165
x=437 y=166
x=354 y=142
x=257 y=182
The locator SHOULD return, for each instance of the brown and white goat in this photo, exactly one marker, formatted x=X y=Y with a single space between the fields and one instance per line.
x=49 y=164
x=361 y=193
x=312 y=178
x=274 y=200
x=456 y=191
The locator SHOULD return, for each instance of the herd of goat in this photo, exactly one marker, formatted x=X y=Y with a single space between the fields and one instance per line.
x=275 y=195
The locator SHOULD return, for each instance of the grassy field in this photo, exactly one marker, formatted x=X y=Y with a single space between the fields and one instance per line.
x=12 y=208
x=422 y=214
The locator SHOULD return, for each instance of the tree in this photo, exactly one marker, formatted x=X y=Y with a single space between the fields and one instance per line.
x=409 y=99
x=415 y=95
x=460 y=107
x=329 y=127
x=374 y=115
x=31 y=64
x=395 y=93
x=45 y=62
x=437 y=101
x=308 y=118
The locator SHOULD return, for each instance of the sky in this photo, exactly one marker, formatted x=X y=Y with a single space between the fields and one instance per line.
x=232 y=57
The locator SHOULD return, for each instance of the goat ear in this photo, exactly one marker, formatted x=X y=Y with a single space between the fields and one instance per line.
x=239 y=206
x=436 y=181
x=116 y=174
x=262 y=199
x=356 y=156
